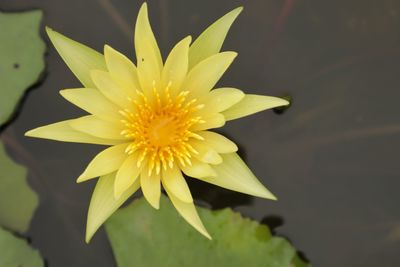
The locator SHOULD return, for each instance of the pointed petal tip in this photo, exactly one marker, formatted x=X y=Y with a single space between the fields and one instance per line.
x=188 y=39
x=82 y=178
x=48 y=29
x=233 y=54
x=30 y=133
x=88 y=236
x=143 y=8
x=207 y=235
x=155 y=205
x=63 y=92
x=117 y=193
x=90 y=233
x=106 y=49
x=271 y=197
x=266 y=194
x=236 y=12
x=37 y=133
x=239 y=9
x=284 y=102
x=204 y=232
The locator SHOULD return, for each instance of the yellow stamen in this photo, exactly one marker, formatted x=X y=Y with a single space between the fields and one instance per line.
x=160 y=128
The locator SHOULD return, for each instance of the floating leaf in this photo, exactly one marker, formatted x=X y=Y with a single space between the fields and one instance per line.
x=21 y=54
x=17 y=201
x=143 y=236
x=15 y=252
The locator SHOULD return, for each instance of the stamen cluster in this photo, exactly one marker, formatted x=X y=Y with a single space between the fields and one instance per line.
x=160 y=126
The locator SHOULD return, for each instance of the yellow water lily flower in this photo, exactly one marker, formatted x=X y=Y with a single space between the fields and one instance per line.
x=156 y=119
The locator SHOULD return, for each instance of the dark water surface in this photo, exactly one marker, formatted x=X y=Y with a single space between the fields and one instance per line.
x=332 y=158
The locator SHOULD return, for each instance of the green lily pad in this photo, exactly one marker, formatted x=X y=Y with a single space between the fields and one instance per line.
x=17 y=200
x=21 y=57
x=143 y=236
x=15 y=252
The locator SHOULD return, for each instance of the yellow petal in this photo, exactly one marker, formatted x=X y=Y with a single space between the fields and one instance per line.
x=234 y=174
x=95 y=126
x=112 y=91
x=127 y=174
x=206 y=153
x=223 y=98
x=107 y=161
x=151 y=187
x=198 y=169
x=92 y=101
x=103 y=204
x=62 y=131
x=122 y=70
x=211 y=40
x=174 y=181
x=218 y=142
x=202 y=78
x=149 y=62
x=189 y=213
x=78 y=57
x=176 y=66
x=251 y=104
x=212 y=121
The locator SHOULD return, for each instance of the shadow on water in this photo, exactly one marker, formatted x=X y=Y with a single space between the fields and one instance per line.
x=217 y=197
x=274 y=221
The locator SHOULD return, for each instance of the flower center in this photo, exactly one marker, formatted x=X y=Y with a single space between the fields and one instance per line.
x=163 y=131
x=160 y=126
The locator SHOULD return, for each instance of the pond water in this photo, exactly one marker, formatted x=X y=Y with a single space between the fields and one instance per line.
x=332 y=158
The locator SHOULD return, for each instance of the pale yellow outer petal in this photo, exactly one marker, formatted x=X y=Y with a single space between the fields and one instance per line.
x=173 y=180
x=234 y=174
x=198 y=169
x=78 y=57
x=112 y=91
x=103 y=204
x=203 y=77
x=100 y=128
x=94 y=102
x=218 y=142
x=212 y=121
x=176 y=66
x=211 y=40
x=205 y=153
x=107 y=161
x=149 y=61
x=127 y=174
x=189 y=213
x=122 y=70
x=221 y=99
x=151 y=187
x=251 y=104
x=62 y=131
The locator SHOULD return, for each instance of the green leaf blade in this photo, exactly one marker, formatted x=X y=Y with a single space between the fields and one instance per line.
x=16 y=252
x=21 y=52
x=142 y=236
x=17 y=200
